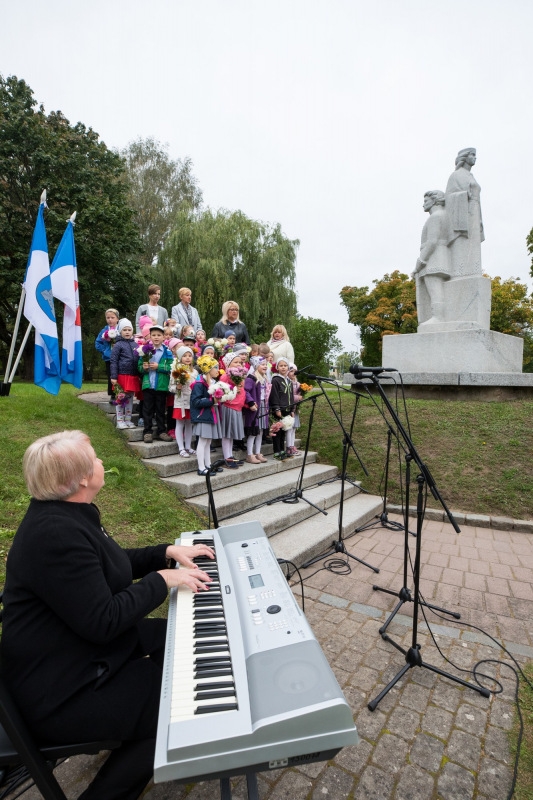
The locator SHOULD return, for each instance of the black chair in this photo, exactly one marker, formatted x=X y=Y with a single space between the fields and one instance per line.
x=18 y=748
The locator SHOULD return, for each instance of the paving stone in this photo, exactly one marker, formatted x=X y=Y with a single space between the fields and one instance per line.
x=392 y=751
x=446 y=696
x=403 y=722
x=455 y=783
x=438 y=722
x=464 y=749
x=415 y=697
x=291 y=785
x=497 y=744
x=470 y=719
x=334 y=783
x=414 y=784
x=370 y=724
x=501 y=715
x=355 y=757
x=427 y=752
x=494 y=779
x=374 y=785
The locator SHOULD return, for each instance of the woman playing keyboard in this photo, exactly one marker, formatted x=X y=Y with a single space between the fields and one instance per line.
x=78 y=653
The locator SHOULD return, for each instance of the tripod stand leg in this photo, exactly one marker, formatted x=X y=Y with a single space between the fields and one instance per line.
x=480 y=689
x=374 y=703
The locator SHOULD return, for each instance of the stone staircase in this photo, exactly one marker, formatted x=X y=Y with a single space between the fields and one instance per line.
x=298 y=530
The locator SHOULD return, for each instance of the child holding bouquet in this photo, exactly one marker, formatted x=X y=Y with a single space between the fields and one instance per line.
x=232 y=426
x=104 y=344
x=205 y=411
x=155 y=361
x=182 y=378
x=281 y=402
x=124 y=375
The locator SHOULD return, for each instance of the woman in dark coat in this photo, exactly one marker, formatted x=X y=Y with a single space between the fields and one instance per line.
x=80 y=658
x=230 y=321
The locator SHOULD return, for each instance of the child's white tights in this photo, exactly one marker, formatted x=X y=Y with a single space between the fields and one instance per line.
x=184 y=432
x=253 y=444
x=290 y=437
x=203 y=452
x=227 y=448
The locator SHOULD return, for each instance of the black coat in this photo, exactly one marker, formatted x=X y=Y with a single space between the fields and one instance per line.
x=71 y=610
x=281 y=395
x=238 y=328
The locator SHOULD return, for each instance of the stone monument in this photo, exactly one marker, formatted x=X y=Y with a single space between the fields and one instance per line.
x=453 y=298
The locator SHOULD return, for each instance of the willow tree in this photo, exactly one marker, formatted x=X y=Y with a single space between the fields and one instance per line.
x=226 y=255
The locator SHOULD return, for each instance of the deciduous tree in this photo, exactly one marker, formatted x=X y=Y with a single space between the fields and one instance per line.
x=158 y=188
x=315 y=342
x=388 y=308
x=44 y=151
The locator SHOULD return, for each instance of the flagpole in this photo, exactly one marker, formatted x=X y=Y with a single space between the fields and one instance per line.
x=5 y=386
x=22 y=346
x=15 y=332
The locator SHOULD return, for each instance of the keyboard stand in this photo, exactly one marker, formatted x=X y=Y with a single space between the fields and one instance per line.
x=251 y=783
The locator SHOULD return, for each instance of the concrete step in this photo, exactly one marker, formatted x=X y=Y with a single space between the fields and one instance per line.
x=189 y=484
x=314 y=536
x=242 y=496
x=282 y=516
x=166 y=466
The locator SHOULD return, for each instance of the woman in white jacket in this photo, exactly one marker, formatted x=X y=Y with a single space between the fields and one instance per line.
x=280 y=344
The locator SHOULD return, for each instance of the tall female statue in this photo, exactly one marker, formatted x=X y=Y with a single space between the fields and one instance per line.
x=464 y=213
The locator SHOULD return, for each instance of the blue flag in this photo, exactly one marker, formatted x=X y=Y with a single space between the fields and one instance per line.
x=64 y=275
x=39 y=310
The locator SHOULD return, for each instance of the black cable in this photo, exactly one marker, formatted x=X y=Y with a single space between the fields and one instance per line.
x=289 y=576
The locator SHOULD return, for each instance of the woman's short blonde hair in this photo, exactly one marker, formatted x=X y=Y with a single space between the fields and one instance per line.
x=282 y=329
x=55 y=465
x=183 y=291
x=225 y=308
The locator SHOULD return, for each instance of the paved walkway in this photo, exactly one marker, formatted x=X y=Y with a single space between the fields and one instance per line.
x=429 y=738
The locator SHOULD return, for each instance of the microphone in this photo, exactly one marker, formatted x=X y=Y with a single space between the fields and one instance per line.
x=303 y=369
x=359 y=371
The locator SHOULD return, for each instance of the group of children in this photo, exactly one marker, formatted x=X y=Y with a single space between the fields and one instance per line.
x=216 y=390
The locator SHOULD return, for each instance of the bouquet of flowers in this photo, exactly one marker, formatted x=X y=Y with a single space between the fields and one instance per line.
x=145 y=351
x=237 y=374
x=219 y=345
x=304 y=389
x=222 y=392
x=120 y=398
x=275 y=427
x=285 y=423
x=110 y=336
x=181 y=374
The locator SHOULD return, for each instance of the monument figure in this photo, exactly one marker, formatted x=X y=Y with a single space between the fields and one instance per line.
x=454 y=345
x=464 y=212
x=433 y=264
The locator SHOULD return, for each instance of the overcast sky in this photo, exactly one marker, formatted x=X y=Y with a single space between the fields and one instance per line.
x=331 y=117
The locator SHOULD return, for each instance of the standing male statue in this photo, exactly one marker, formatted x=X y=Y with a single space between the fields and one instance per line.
x=433 y=264
x=464 y=213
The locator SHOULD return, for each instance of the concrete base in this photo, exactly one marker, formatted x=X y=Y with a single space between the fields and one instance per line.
x=474 y=351
x=466 y=305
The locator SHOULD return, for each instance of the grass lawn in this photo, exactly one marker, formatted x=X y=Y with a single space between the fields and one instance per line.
x=137 y=507
x=478 y=453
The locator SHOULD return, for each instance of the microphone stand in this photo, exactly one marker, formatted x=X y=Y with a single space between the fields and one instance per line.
x=297 y=493
x=339 y=546
x=413 y=655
